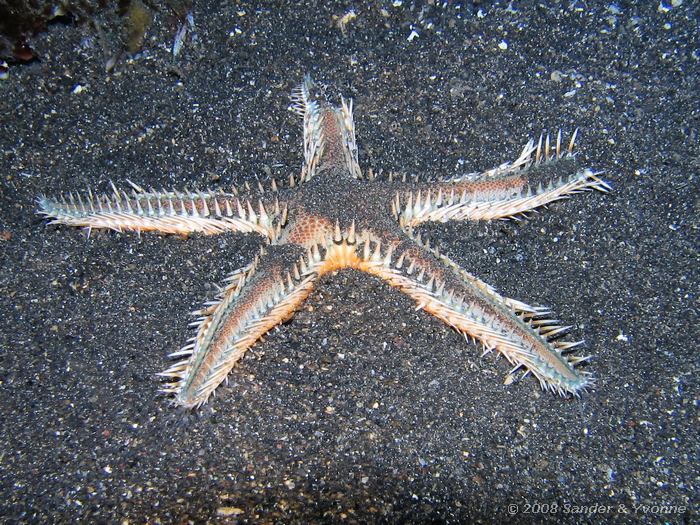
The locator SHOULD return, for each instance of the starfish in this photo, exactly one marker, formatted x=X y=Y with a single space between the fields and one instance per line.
x=334 y=216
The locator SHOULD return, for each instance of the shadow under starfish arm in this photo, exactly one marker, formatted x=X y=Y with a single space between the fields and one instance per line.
x=541 y=175
x=259 y=297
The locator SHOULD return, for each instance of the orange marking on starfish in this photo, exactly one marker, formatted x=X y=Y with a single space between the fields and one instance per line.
x=309 y=229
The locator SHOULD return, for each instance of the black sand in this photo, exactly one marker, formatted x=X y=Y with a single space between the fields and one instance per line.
x=360 y=409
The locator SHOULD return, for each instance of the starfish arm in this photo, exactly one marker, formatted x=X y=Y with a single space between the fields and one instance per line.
x=541 y=175
x=175 y=212
x=522 y=333
x=259 y=297
x=329 y=132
